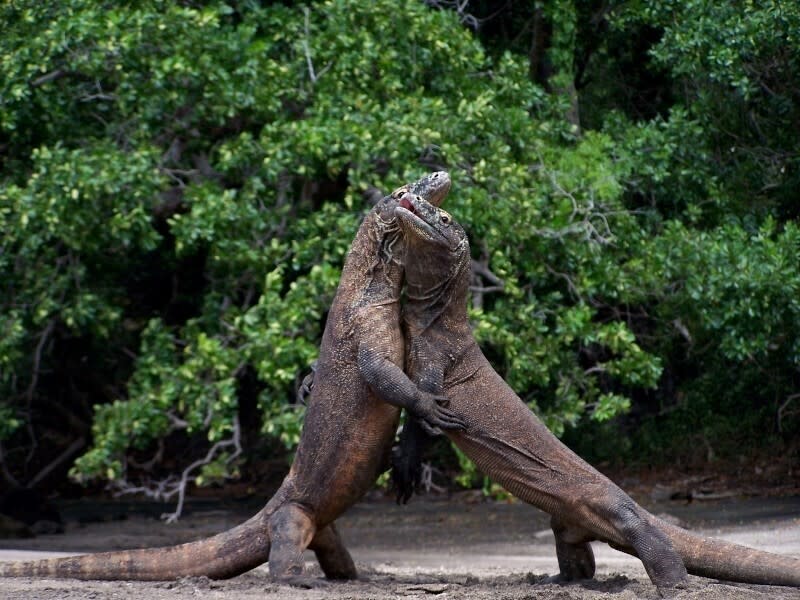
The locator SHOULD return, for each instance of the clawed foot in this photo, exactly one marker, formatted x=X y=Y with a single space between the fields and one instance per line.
x=560 y=579
x=427 y=418
x=434 y=415
x=672 y=591
x=303 y=582
x=307 y=386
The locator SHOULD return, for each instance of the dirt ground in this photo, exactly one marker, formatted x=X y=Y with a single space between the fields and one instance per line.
x=445 y=548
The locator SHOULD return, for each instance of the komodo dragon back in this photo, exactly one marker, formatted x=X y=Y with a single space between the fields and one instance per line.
x=507 y=442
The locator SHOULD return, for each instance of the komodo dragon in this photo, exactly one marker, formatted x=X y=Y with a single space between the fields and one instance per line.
x=345 y=440
x=509 y=443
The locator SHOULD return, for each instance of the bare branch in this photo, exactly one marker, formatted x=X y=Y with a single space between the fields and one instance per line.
x=426 y=479
x=168 y=487
x=307 y=49
x=481 y=273
x=159 y=490
x=74 y=447
x=149 y=464
x=783 y=412
x=482 y=269
x=100 y=95
x=485 y=290
x=586 y=218
x=176 y=422
x=595 y=369
x=48 y=77
x=37 y=361
x=570 y=284
x=460 y=8
x=683 y=330
x=37 y=358
x=235 y=441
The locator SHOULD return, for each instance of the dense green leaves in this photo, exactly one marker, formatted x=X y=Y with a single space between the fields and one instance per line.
x=180 y=184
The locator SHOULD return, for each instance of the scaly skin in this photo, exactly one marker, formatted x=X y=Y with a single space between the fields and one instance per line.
x=346 y=436
x=510 y=444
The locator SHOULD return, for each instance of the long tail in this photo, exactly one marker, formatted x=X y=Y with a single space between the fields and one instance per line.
x=713 y=558
x=224 y=555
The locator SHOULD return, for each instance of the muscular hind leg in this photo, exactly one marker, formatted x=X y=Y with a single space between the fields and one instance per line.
x=291 y=530
x=575 y=556
x=654 y=548
x=333 y=557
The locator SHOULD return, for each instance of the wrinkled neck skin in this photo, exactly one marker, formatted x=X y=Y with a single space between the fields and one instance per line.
x=437 y=282
x=376 y=252
x=375 y=255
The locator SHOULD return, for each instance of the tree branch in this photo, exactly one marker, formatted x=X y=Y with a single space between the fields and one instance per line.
x=782 y=412
x=166 y=488
x=29 y=392
x=570 y=284
x=460 y=8
x=235 y=441
x=307 y=49
x=37 y=359
x=480 y=273
x=59 y=460
x=48 y=77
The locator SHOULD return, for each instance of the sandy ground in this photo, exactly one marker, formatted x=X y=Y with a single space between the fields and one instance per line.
x=449 y=549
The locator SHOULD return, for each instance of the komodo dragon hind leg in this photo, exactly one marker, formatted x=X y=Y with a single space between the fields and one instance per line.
x=650 y=544
x=292 y=530
x=575 y=556
x=653 y=547
x=612 y=516
x=333 y=557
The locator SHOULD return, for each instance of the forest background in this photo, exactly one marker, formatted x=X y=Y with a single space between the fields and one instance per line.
x=180 y=182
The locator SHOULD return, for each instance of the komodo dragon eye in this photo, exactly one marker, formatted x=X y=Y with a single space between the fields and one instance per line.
x=444 y=218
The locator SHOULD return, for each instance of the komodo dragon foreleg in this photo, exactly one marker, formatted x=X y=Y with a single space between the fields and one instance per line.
x=508 y=443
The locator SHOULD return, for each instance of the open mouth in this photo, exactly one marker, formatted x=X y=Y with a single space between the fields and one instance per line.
x=405 y=203
x=412 y=222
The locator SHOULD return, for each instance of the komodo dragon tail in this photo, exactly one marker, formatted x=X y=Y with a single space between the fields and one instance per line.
x=724 y=560
x=224 y=555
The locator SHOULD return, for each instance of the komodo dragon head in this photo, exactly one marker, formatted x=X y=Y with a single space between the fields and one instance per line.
x=437 y=258
x=433 y=187
x=423 y=223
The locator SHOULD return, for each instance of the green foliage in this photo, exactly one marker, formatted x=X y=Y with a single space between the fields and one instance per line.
x=8 y=422
x=179 y=185
x=737 y=64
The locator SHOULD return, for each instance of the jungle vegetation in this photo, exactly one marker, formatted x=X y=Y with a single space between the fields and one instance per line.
x=180 y=182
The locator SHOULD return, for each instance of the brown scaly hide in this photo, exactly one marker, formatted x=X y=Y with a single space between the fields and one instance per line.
x=346 y=436
x=511 y=445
